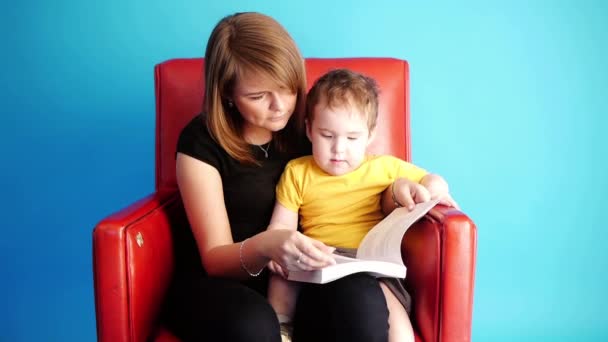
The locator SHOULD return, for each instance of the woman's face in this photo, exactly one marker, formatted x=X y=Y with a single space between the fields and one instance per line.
x=265 y=106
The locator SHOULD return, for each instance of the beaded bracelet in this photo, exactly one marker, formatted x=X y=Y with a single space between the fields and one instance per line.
x=397 y=204
x=243 y=263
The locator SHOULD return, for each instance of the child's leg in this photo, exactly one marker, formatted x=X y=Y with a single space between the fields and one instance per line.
x=400 y=328
x=282 y=295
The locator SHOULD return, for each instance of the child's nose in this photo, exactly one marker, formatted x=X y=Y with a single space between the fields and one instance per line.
x=339 y=145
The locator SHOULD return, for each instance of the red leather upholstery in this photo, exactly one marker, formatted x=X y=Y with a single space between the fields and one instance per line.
x=133 y=248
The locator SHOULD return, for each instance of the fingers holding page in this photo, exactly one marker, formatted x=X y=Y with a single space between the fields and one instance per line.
x=407 y=193
x=421 y=194
x=292 y=250
x=320 y=253
x=449 y=201
x=314 y=255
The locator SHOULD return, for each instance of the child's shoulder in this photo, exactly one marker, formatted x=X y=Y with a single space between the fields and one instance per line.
x=300 y=162
x=384 y=159
x=388 y=161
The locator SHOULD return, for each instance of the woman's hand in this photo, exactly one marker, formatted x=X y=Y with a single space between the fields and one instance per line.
x=293 y=251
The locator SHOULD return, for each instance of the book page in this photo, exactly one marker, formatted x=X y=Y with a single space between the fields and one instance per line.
x=341 y=259
x=383 y=242
x=345 y=266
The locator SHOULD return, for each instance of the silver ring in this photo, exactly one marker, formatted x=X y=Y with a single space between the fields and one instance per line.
x=299 y=258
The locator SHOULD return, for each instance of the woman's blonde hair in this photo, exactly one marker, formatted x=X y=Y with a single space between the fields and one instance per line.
x=257 y=43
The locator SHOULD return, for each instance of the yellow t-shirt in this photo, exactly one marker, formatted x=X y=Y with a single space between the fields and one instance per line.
x=340 y=210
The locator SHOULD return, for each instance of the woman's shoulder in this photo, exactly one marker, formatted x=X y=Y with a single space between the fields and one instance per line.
x=196 y=141
x=196 y=129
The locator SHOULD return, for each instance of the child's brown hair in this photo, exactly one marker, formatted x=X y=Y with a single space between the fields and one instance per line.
x=343 y=87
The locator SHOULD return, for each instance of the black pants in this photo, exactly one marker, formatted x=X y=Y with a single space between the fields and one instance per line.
x=348 y=309
x=207 y=309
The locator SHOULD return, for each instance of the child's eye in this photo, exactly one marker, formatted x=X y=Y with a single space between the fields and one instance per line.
x=326 y=135
x=353 y=138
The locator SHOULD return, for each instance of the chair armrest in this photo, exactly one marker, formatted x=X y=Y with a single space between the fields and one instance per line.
x=440 y=251
x=133 y=254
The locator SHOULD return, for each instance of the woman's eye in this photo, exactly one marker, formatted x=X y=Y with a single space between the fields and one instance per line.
x=326 y=135
x=352 y=138
x=256 y=97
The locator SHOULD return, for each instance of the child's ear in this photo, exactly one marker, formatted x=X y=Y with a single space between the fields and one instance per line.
x=308 y=129
x=372 y=135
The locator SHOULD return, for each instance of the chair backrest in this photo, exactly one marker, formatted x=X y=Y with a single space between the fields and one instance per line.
x=179 y=96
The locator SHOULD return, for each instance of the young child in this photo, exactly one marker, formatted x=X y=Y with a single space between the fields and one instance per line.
x=337 y=191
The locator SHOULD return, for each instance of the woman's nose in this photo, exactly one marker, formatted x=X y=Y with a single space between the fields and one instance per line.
x=277 y=103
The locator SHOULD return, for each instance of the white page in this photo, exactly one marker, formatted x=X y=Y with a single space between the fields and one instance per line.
x=383 y=242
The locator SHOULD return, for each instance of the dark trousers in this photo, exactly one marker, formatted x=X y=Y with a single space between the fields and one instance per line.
x=208 y=309
x=348 y=309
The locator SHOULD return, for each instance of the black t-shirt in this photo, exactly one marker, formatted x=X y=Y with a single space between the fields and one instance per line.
x=249 y=193
x=249 y=190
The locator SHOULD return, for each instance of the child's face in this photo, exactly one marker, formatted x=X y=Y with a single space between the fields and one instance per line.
x=339 y=138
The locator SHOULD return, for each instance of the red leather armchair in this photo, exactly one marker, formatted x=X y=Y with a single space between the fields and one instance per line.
x=133 y=249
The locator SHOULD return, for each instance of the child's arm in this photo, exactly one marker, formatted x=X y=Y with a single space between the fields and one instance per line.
x=310 y=253
x=282 y=218
x=282 y=294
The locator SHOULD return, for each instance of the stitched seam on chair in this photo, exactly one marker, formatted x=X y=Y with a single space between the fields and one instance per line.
x=157 y=146
x=442 y=233
x=95 y=279
x=163 y=204
x=100 y=323
x=444 y=261
x=406 y=109
x=434 y=222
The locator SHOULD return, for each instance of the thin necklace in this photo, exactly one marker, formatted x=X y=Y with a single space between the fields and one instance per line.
x=265 y=150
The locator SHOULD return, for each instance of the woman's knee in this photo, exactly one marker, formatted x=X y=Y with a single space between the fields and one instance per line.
x=248 y=317
x=219 y=310
x=363 y=306
x=257 y=322
x=361 y=293
x=354 y=309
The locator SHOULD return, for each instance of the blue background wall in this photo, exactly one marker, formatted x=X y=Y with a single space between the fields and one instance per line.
x=508 y=103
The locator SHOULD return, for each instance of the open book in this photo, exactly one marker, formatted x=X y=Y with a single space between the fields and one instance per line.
x=379 y=253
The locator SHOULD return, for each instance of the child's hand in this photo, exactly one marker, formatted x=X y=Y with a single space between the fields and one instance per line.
x=447 y=200
x=407 y=193
x=439 y=188
x=277 y=269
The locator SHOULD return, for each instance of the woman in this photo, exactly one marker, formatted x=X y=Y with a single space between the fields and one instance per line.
x=229 y=160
